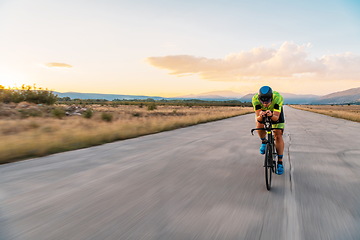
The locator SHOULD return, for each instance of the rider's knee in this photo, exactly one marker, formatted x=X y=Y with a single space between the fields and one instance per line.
x=278 y=134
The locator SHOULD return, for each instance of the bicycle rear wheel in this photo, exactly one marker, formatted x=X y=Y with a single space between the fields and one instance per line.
x=268 y=165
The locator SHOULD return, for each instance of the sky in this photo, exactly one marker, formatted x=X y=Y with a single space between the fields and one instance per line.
x=172 y=48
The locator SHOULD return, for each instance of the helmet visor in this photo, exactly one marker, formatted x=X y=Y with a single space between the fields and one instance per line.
x=265 y=100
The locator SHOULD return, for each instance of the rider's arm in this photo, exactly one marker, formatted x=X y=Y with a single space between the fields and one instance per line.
x=278 y=103
x=276 y=113
x=275 y=116
x=259 y=115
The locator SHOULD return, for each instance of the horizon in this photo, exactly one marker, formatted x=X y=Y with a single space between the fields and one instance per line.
x=180 y=48
x=186 y=94
x=199 y=94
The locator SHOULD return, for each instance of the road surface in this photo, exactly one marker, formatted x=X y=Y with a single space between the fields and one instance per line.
x=200 y=182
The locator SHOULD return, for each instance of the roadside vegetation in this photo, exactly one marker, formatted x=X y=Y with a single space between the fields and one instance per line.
x=27 y=93
x=348 y=112
x=32 y=128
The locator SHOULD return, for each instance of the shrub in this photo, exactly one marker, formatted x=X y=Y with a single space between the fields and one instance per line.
x=58 y=113
x=28 y=94
x=88 y=113
x=108 y=117
x=151 y=106
x=25 y=113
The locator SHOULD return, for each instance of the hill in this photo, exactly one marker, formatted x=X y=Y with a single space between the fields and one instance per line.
x=289 y=98
x=110 y=97
x=208 y=96
x=342 y=97
x=214 y=96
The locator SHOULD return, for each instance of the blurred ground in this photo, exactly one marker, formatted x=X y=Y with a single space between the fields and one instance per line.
x=200 y=182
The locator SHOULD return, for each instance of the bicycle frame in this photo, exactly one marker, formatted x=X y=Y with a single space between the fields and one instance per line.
x=270 y=137
x=270 y=156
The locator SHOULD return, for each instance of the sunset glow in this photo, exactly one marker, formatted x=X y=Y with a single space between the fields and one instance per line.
x=180 y=47
x=13 y=80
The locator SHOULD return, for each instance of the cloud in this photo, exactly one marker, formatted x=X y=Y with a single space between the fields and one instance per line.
x=344 y=65
x=288 y=61
x=58 y=65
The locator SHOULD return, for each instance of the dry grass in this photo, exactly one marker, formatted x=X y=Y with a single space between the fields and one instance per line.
x=39 y=136
x=348 y=112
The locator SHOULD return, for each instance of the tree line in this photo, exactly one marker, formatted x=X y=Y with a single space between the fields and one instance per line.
x=32 y=94
x=150 y=101
x=27 y=93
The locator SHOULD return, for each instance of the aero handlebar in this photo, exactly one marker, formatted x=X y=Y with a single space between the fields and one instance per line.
x=267 y=127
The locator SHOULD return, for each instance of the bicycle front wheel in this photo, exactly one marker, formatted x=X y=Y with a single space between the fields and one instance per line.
x=268 y=162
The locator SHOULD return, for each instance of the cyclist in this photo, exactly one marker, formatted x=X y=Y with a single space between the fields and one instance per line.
x=269 y=103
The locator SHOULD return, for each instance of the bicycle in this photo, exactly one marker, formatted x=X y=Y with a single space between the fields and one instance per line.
x=270 y=152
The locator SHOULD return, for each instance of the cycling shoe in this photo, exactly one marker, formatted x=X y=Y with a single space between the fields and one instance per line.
x=262 y=148
x=280 y=169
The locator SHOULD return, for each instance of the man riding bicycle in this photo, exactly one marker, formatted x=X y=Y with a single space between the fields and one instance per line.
x=269 y=103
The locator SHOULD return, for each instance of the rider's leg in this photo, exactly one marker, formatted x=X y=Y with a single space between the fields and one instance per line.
x=279 y=143
x=262 y=135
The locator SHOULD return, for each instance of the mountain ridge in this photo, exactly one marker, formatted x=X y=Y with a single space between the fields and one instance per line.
x=289 y=98
x=348 y=96
x=109 y=97
x=220 y=94
x=342 y=97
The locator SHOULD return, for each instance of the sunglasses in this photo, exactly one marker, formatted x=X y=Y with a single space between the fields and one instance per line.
x=265 y=100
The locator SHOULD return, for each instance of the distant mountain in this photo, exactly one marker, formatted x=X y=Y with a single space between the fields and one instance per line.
x=110 y=97
x=343 y=97
x=210 y=96
x=247 y=97
x=289 y=98
x=214 y=95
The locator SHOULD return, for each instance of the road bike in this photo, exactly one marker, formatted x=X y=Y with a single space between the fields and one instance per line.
x=270 y=151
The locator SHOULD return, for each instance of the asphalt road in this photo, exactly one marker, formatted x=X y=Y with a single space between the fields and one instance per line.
x=201 y=182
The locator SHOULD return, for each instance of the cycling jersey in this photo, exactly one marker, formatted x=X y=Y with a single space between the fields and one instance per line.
x=276 y=105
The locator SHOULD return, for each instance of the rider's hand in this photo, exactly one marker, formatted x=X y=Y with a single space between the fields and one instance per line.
x=269 y=113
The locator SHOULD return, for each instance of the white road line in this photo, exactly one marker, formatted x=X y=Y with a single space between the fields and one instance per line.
x=291 y=223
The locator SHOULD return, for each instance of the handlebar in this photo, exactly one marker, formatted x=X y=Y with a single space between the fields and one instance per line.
x=269 y=129
x=268 y=126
